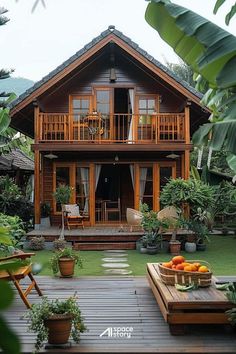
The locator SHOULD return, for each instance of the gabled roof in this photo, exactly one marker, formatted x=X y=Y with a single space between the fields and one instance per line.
x=115 y=34
x=16 y=159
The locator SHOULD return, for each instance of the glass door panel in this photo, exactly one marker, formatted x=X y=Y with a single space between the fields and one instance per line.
x=146 y=185
x=103 y=106
x=62 y=178
x=82 y=189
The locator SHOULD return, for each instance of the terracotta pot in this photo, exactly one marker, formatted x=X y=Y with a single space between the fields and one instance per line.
x=175 y=247
x=66 y=266
x=59 y=328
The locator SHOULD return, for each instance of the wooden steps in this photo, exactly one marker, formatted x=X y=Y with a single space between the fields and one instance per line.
x=97 y=246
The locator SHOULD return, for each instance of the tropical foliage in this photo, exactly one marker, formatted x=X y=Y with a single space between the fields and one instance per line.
x=15 y=227
x=211 y=52
x=194 y=192
x=13 y=202
x=9 y=342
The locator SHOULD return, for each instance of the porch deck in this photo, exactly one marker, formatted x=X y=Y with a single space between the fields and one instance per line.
x=94 y=238
x=120 y=302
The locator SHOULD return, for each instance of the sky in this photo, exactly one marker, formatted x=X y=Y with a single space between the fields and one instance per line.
x=33 y=44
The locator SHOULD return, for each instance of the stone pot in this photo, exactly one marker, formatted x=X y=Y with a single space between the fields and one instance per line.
x=59 y=328
x=190 y=247
x=143 y=249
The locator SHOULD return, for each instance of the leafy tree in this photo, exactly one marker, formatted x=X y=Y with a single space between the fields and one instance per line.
x=183 y=70
x=211 y=53
x=8 y=136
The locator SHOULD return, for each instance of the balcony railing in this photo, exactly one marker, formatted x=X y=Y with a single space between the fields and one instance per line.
x=115 y=128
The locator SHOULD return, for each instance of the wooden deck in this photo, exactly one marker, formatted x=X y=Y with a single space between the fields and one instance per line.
x=121 y=302
x=93 y=238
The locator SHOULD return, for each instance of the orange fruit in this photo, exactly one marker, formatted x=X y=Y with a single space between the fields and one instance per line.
x=185 y=264
x=178 y=259
x=197 y=265
x=173 y=266
x=167 y=264
x=194 y=268
x=203 y=269
x=188 y=268
x=180 y=266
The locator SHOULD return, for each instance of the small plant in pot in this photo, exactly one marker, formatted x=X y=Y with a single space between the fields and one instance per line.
x=64 y=261
x=152 y=229
x=55 y=321
x=62 y=196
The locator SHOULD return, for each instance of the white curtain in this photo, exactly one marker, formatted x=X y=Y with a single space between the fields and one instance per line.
x=143 y=178
x=97 y=174
x=131 y=127
x=85 y=182
x=131 y=168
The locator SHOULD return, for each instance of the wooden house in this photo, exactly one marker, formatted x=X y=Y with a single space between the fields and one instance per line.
x=113 y=123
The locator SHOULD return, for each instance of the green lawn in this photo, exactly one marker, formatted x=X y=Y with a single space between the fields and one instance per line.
x=220 y=254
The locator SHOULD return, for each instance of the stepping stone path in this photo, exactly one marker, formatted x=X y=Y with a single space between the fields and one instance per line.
x=115 y=262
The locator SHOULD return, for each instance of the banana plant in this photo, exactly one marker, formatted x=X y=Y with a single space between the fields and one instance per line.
x=211 y=52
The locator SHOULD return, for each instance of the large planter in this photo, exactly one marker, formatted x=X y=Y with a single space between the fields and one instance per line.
x=152 y=249
x=201 y=246
x=175 y=247
x=66 y=267
x=59 y=328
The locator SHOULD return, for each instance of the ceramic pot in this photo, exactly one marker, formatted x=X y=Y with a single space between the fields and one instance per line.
x=190 y=247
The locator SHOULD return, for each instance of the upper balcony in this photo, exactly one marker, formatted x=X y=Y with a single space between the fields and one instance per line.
x=114 y=128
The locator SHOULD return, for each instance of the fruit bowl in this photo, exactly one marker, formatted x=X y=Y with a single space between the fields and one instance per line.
x=194 y=272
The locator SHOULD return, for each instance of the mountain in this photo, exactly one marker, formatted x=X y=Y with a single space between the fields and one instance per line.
x=15 y=84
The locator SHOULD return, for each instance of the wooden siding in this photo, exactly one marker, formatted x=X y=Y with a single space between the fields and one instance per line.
x=128 y=75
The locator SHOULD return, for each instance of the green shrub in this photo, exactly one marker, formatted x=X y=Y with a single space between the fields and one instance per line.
x=13 y=202
x=37 y=243
x=194 y=192
x=15 y=226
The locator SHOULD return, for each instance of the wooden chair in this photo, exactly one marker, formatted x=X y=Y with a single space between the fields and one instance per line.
x=72 y=216
x=16 y=275
x=112 y=207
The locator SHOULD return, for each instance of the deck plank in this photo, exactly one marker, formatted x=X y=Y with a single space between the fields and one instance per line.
x=120 y=302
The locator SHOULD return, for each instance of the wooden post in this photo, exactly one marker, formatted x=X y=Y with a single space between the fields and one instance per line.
x=36 y=123
x=187 y=125
x=36 y=189
x=156 y=187
x=183 y=165
x=136 y=186
x=187 y=163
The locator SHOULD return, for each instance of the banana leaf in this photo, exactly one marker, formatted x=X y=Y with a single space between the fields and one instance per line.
x=207 y=48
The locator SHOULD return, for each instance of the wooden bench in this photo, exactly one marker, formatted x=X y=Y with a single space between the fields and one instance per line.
x=202 y=306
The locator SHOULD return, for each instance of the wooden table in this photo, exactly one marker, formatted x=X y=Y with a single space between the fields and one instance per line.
x=202 y=306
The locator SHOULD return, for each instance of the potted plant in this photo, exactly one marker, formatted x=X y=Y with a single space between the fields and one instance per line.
x=153 y=228
x=64 y=261
x=45 y=215
x=62 y=196
x=231 y=295
x=55 y=321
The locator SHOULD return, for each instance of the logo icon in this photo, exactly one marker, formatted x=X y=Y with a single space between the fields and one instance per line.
x=117 y=332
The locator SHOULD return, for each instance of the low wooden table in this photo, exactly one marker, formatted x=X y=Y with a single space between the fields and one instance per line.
x=202 y=306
